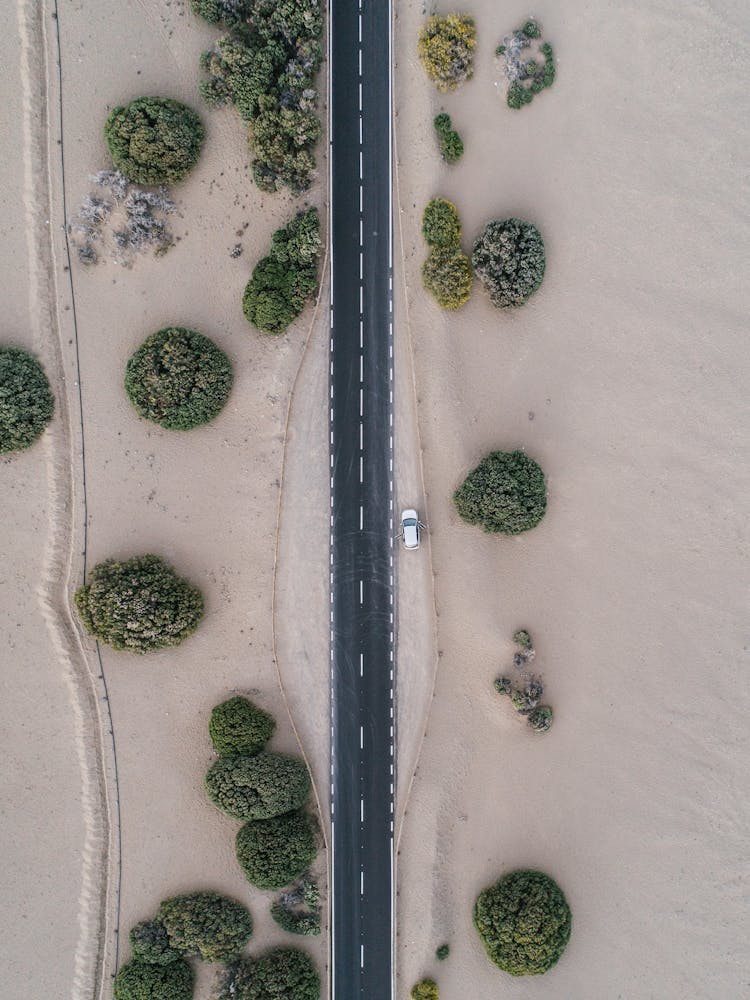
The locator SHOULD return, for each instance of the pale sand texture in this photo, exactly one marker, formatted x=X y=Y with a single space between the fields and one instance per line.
x=632 y=361
x=208 y=500
x=53 y=836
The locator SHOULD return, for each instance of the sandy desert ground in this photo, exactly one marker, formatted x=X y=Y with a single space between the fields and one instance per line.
x=208 y=501
x=626 y=378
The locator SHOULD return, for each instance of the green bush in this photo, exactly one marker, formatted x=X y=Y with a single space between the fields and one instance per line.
x=274 y=852
x=451 y=146
x=522 y=638
x=548 y=71
x=138 y=605
x=178 y=378
x=427 y=989
x=154 y=140
x=280 y=974
x=258 y=787
x=446 y=49
x=206 y=924
x=283 y=281
x=518 y=95
x=26 y=402
x=237 y=727
x=228 y=11
x=446 y=275
x=506 y=493
x=266 y=68
x=149 y=942
x=143 y=981
x=524 y=922
x=540 y=719
x=440 y=223
x=527 y=76
x=442 y=952
x=509 y=259
x=294 y=921
x=298 y=910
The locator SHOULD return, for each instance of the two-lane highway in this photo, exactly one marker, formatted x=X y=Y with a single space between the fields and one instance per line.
x=362 y=528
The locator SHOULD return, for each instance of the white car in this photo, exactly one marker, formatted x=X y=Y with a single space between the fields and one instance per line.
x=410 y=525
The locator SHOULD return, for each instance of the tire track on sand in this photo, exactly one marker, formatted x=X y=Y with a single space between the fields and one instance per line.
x=65 y=549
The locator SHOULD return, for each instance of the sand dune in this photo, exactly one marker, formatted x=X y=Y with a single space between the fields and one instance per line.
x=626 y=378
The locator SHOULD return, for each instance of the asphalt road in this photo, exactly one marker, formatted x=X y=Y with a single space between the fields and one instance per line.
x=362 y=527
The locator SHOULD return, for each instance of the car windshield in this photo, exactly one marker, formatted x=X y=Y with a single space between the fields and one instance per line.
x=410 y=522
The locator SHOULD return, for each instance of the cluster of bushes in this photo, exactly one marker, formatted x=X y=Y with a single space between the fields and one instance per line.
x=282 y=282
x=154 y=140
x=527 y=76
x=524 y=922
x=280 y=974
x=268 y=790
x=265 y=67
x=202 y=924
x=446 y=274
x=139 y=605
x=26 y=401
x=505 y=494
x=178 y=378
x=509 y=259
x=525 y=697
x=298 y=911
x=446 y=49
x=451 y=146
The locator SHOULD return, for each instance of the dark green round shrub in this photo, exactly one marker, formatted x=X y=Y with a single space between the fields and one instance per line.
x=258 y=787
x=506 y=493
x=540 y=719
x=206 y=924
x=178 y=378
x=26 y=402
x=237 y=727
x=149 y=942
x=509 y=259
x=139 y=605
x=146 y=981
x=154 y=140
x=281 y=974
x=274 y=852
x=446 y=275
x=524 y=922
x=442 y=952
x=441 y=223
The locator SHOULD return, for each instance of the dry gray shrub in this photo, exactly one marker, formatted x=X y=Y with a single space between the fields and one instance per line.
x=121 y=220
